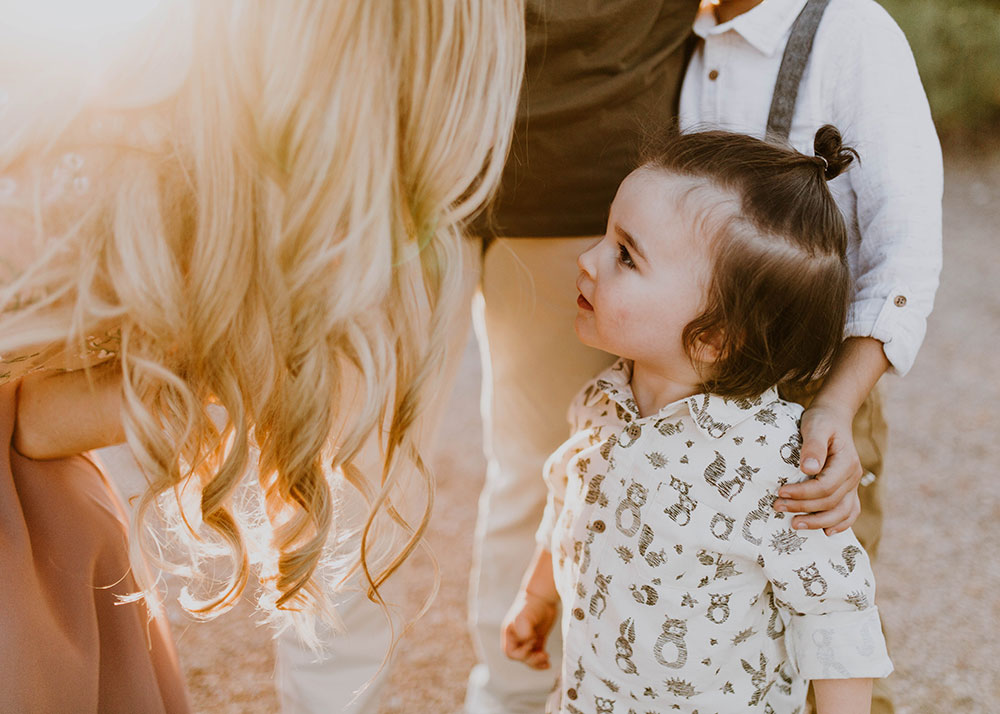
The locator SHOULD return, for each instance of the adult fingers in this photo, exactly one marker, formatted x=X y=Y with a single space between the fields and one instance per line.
x=816 y=438
x=835 y=520
x=852 y=516
x=842 y=473
x=815 y=505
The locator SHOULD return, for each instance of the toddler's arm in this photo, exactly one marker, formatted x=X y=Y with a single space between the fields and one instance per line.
x=823 y=589
x=843 y=696
x=527 y=625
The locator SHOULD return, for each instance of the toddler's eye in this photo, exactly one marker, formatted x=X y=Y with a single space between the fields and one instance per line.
x=624 y=258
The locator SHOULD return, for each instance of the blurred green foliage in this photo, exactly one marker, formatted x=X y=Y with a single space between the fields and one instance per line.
x=957 y=47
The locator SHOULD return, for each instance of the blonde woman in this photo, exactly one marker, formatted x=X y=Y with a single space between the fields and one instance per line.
x=232 y=238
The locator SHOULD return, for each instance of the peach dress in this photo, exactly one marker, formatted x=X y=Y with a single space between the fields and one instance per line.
x=67 y=644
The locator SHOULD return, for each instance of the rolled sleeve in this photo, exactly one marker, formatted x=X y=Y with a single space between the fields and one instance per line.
x=838 y=645
x=825 y=590
x=897 y=320
x=882 y=110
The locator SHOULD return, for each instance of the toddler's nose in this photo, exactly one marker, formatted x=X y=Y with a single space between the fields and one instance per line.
x=585 y=261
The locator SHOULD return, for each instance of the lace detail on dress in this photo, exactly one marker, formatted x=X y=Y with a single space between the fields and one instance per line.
x=54 y=179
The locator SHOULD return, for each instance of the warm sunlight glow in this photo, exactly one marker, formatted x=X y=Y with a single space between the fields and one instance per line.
x=61 y=20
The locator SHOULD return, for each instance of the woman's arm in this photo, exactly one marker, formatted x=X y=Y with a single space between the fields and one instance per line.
x=64 y=413
x=828 y=451
x=843 y=696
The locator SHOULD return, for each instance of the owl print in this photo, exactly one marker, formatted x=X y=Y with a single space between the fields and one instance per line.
x=812 y=581
x=627 y=515
x=671 y=641
x=790 y=450
x=630 y=434
x=721 y=526
x=604 y=706
x=718 y=609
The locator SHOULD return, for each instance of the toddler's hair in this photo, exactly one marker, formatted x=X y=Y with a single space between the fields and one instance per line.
x=777 y=299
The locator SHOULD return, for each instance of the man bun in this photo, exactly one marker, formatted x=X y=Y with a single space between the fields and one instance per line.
x=831 y=154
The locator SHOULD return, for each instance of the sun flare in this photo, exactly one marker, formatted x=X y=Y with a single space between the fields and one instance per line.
x=65 y=20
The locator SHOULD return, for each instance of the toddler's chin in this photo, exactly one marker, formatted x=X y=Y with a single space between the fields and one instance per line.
x=582 y=333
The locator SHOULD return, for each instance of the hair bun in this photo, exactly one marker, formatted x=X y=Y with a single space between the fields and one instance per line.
x=830 y=149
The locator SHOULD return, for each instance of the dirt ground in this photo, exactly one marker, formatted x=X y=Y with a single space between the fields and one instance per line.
x=939 y=574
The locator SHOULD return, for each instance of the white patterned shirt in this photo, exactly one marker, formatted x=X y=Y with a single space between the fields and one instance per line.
x=861 y=78
x=682 y=589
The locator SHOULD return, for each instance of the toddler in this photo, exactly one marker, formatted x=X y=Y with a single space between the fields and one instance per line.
x=721 y=275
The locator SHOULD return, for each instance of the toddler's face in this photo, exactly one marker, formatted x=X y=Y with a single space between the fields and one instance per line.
x=646 y=278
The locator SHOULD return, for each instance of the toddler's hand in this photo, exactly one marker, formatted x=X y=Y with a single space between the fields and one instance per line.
x=828 y=454
x=526 y=628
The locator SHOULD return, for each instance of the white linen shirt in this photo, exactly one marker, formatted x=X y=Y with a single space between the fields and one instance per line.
x=682 y=589
x=861 y=78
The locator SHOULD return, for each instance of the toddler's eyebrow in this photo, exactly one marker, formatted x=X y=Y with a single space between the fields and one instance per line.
x=627 y=237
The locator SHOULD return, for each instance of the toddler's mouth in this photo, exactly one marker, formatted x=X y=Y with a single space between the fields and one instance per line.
x=581 y=301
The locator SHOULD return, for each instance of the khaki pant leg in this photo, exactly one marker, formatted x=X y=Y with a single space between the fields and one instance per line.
x=533 y=365
x=309 y=684
x=871 y=439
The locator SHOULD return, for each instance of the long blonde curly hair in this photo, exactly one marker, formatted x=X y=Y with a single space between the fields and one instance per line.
x=268 y=240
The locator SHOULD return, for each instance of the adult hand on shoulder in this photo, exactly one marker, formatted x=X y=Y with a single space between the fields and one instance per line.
x=828 y=454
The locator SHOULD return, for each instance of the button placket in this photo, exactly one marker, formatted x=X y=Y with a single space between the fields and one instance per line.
x=709 y=99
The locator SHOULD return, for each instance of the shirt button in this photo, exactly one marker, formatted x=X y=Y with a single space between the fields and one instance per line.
x=578 y=613
x=599 y=526
x=900 y=301
x=571 y=693
x=713 y=75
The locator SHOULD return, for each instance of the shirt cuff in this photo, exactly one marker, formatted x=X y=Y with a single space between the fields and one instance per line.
x=838 y=645
x=897 y=321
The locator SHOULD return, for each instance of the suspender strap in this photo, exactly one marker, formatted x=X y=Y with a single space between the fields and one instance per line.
x=793 y=64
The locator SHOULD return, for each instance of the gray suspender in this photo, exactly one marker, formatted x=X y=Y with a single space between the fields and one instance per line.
x=793 y=64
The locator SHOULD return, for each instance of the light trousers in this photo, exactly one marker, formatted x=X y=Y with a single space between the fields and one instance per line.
x=533 y=365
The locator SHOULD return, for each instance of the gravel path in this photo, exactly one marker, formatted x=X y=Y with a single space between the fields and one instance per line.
x=939 y=576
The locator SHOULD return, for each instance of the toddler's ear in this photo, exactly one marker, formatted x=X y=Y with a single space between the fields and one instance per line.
x=707 y=348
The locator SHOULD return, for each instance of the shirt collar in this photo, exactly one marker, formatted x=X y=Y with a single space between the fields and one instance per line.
x=764 y=26
x=712 y=414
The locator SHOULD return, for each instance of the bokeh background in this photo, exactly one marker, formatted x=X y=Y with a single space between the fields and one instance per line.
x=939 y=571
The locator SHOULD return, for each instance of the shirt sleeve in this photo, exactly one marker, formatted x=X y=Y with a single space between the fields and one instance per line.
x=825 y=591
x=881 y=109
x=556 y=470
